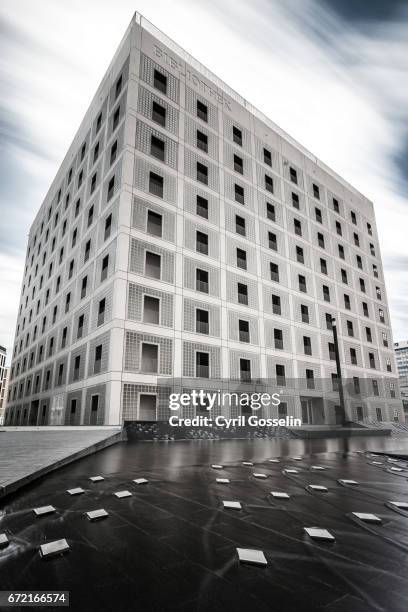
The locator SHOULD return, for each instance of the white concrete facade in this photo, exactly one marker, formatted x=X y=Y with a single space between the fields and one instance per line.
x=175 y=188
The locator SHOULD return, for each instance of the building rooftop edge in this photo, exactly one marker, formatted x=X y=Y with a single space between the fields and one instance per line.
x=147 y=25
x=190 y=59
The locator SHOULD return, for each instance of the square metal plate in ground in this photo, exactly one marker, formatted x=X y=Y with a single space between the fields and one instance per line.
x=291 y=471
x=96 y=478
x=392 y=460
x=234 y=505
x=317 y=533
x=400 y=505
x=346 y=481
x=317 y=467
x=259 y=475
x=367 y=517
x=122 y=494
x=53 y=549
x=97 y=515
x=248 y=555
x=280 y=494
x=317 y=488
x=140 y=481
x=396 y=469
x=44 y=510
x=4 y=541
x=76 y=491
x=247 y=463
x=217 y=466
x=274 y=461
x=223 y=480
x=376 y=463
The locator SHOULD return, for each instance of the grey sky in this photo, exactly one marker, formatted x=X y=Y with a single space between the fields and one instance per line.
x=332 y=74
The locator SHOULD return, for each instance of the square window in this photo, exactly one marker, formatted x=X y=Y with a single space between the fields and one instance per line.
x=242 y=294
x=105 y=266
x=202 y=280
x=293 y=175
x=157 y=148
x=113 y=152
x=241 y=259
x=116 y=117
x=151 y=310
x=156 y=184
x=202 y=243
x=159 y=114
x=237 y=135
x=239 y=194
x=274 y=270
x=316 y=191
x=243 y=328
x=268 y=183
x=280 y=375
x=307 y=345
x=276 y=305
x=278 y=339
x=245 y=370
x=295 y=200
x=202 y=111
x=297 y=227
x=272 y=241
x=202 y=365
x=160 y=81
x=238 y=164
x=202 y=321
x=108 y=227
x=202 y=173
x=152 y=265
x=310 y=383
x=267 y=155
x=149 y=362
x=111 y=188
x=270 y=211
x=202 y=141
x=202 y=207
x=240 y=225
x=154 y=223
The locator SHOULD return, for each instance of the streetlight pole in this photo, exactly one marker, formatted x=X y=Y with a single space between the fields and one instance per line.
x=338 y=367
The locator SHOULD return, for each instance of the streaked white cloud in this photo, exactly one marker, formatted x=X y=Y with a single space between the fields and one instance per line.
x=336 y=86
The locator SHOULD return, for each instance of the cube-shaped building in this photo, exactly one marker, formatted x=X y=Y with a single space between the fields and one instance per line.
x=186 y=240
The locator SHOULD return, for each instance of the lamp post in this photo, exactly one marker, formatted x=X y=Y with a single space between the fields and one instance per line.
x=338 y=367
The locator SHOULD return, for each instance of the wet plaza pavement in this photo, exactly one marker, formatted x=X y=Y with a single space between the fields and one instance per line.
x=171 y=544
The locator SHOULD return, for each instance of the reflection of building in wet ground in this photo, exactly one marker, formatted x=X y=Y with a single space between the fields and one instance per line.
x=186 y=236
x=170 y=542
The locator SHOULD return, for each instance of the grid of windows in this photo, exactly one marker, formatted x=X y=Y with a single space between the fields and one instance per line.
x=282 y=242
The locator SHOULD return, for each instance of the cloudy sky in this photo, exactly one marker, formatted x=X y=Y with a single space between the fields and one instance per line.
x=331 y=73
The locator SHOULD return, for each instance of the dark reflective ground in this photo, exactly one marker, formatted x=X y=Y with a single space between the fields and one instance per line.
x=171 y=546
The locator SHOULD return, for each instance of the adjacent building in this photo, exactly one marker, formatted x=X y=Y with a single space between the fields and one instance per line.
x=187 y=241
x=4 y=378
x=401 y=353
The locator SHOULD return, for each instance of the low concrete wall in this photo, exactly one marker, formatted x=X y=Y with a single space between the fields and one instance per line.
x=162 y=431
